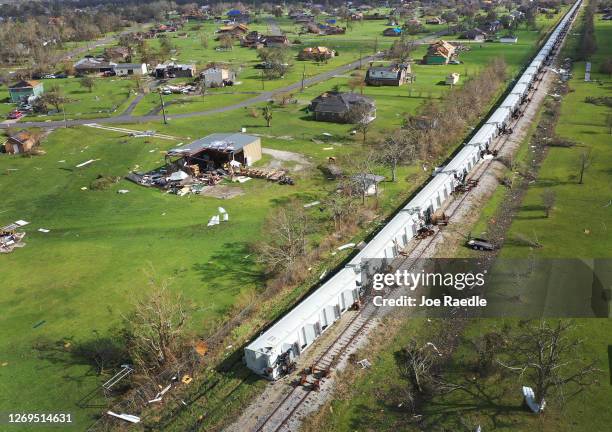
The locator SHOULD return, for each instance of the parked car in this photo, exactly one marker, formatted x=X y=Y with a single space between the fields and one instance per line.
x=109 y=74
x=454 y=62
x=480 y=244
x=15 y=115
x=49 y=76
x=61 y=76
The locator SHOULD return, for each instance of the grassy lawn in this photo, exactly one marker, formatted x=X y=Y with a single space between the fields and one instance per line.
x=109 y=97
x=73 y=284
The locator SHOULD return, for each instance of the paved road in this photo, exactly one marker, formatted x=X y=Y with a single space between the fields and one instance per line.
x=262 y=97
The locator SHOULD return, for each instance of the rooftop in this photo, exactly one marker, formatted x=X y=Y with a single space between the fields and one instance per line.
x=224 y=142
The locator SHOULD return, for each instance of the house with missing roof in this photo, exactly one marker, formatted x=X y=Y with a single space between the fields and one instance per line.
x=439 y=53
x=339 y=107
x=218 y=149
x=24 y=90
x=392 y=75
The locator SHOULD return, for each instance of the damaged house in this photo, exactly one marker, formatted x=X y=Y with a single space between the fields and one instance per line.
x=174 y=70
x=439 y=53
x=339 y=107
x=217 y=150
x=393 y=75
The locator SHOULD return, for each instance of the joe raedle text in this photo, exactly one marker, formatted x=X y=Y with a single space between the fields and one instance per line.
x=424 y=301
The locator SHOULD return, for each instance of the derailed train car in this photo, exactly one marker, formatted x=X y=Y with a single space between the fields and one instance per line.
x=272 y=353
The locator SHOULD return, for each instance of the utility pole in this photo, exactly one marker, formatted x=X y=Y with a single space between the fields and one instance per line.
x=64 y=111
x=303 y=78
x=263 y=84
x=161 y=99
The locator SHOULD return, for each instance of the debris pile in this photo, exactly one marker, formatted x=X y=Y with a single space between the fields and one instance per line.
x=10 y=238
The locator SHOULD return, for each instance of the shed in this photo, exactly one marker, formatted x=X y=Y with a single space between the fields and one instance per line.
x=220 y=148
x=89 y=65
x=23 y=90
x=452 y=78
x=21 y=142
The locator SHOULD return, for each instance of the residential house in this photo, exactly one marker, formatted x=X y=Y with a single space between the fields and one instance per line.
x=339 y=107
x=393 y=75
x=439 y=53
x=218 y=149
x=89 y=65
x=22 y=142
x=275 y=41
x=123 y=69
x=475 y=34
x=315 y=53
x=24 y=90
x=392 y=32
x=452 y=78
x=174 y=70
x=217 y=76
x=234 y=30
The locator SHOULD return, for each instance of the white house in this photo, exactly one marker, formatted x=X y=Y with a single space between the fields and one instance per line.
x=218 y=76
x=123 y=69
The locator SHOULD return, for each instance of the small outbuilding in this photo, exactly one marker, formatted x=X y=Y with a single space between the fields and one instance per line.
x=218 y=149
x=452 y=79
x=23 y=90
x=21 y=142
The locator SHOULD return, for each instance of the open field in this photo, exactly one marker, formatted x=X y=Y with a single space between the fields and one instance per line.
x=77 y=280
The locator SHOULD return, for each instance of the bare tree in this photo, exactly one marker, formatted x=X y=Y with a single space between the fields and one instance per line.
x=357 y=82
x=397 y=148
x=548 y=355
x=549 y=197
x=226 y=42
x=359 y=115
x=156 y=330
x=342 y=208
x=363 y=169
x=585 y=160
x=284 y=239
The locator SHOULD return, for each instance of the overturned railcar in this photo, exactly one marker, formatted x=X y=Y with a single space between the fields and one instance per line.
x=270 y=354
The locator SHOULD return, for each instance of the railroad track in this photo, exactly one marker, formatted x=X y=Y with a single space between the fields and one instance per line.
x=298 y=396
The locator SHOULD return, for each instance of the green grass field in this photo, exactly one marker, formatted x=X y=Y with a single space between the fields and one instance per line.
x=73 y=284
